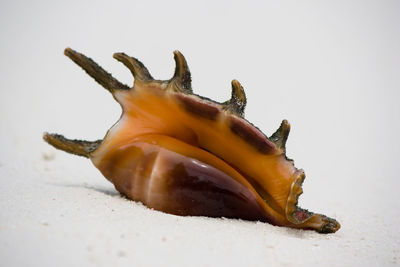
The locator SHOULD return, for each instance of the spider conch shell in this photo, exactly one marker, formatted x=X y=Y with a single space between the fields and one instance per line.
x=184 y=154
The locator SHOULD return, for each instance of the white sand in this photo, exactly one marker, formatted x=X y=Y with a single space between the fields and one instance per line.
x=332 y=70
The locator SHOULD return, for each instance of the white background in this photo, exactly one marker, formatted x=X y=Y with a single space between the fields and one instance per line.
x=332 y=68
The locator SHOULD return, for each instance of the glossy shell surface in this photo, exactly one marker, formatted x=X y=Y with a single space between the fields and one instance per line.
x=187 y=155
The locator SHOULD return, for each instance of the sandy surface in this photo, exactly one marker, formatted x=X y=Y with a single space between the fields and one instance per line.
x=332 y=70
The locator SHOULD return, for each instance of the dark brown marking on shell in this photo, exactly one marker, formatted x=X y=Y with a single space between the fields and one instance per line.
x=77 y=147
x=101 y=76
x=251 y=135
x=198 y=107
x=209 y=192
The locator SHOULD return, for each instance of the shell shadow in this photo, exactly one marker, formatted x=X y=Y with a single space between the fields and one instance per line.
x=104 y=190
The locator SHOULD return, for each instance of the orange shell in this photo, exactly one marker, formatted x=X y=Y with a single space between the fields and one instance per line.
x=187 y=155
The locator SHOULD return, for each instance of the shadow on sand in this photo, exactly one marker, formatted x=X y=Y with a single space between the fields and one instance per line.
x=107 y=191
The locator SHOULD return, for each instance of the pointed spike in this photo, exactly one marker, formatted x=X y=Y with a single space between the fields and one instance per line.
x=181 y=80
x=138 y=70
x=77 y=147
x=101 y=76
x=238 y=100
x=281 y=135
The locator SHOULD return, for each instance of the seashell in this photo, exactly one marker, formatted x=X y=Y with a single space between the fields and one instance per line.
x=184 y=154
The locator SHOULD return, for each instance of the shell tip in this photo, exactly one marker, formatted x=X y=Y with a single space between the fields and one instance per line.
x=68 y=51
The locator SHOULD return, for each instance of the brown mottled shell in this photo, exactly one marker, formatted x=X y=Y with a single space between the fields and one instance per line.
x=188 y=155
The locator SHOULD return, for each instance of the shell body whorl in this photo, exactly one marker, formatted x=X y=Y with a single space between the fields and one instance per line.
x=172 y=176
x=187 y=155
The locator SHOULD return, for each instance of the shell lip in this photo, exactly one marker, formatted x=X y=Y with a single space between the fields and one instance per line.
x=294 y=214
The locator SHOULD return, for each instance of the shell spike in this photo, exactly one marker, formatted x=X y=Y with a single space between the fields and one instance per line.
x=77 y=147
x=181 y=81
x=281 y=135
x=138 y=70
x=101 y=76
x=238 y=101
